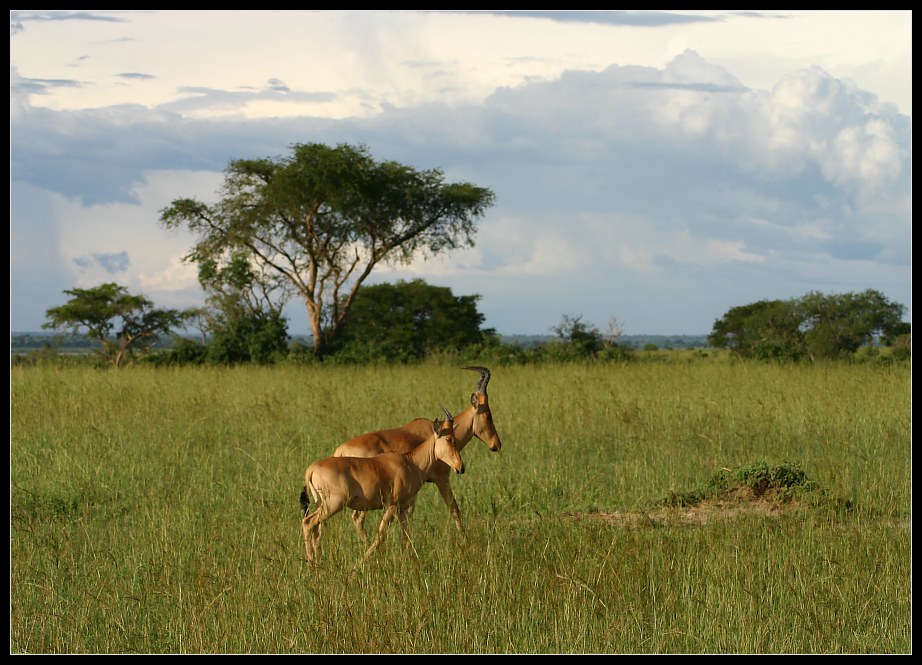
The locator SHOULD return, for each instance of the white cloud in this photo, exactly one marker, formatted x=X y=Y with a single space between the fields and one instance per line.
x=175 y=282
x=866 y=157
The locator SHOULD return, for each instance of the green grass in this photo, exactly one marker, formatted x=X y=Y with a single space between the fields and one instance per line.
x=156 y=511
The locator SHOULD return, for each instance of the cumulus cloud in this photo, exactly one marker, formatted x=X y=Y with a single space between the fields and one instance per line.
x=865 y=156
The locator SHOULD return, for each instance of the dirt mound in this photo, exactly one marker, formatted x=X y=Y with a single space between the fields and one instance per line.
x=729 y=505
x=758 y=488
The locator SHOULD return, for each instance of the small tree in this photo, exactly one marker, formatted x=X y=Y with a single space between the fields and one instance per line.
x=244 y=314
x=120 y=322
x=613 y=333
x=408 y=320
x=259 y=337
x=584 y=339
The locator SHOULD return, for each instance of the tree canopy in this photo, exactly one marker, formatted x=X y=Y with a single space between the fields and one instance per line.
x=120 y=322
x=814 y=326
x=243 y=316
x=320 y=220
x=583 y=337
x=409 y=320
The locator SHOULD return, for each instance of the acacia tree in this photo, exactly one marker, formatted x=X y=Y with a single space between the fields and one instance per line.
x=120 y=322
x=324 y=217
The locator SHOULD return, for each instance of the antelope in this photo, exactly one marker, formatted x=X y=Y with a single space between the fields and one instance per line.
x=473 y=421
x=389 y=481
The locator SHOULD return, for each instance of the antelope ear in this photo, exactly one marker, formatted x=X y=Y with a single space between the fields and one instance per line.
x=436 y=426
x=473 y=399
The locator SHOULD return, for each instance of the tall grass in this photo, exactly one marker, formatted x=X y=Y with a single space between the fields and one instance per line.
x=156 y=511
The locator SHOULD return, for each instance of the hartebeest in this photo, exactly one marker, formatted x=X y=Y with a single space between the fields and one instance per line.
x=389 y=481
x=474 y=421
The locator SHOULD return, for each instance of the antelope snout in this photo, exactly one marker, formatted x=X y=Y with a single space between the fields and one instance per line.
x=461 y=470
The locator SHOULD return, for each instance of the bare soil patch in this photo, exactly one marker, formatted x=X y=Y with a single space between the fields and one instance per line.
x=737 y=501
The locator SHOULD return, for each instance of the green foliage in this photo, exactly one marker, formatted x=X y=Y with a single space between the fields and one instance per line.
x=816 y=326
x=409 y=321
x=784 y=481
x=788 y=479
x=184 y=351
x=766 y=330
x=615 y=353
x=235 y=287
x=582 y=338
x=838 y=325
x=897 y=335
x=319 y=221
x=258 y=337
x=902 y=348
x=120 y=322
x=577 y=341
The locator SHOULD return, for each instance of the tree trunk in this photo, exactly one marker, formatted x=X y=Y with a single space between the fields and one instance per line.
x=320 y=341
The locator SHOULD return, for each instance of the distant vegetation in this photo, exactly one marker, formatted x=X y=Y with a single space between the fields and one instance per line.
x=413 y=321
x=647 y=342
x=815 y=326
x=25 y=345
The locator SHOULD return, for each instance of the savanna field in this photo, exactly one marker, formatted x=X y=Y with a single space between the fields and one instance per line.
x=156 y=510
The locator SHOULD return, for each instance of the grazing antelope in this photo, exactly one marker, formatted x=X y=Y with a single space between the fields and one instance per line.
x=474 y=421
x=390 y=481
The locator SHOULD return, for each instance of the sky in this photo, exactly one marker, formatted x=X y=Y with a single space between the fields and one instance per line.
x=652 y=169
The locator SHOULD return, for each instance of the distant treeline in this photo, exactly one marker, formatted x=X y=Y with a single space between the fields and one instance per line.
x=27 y=341
x=629 y=341
x=21 y=342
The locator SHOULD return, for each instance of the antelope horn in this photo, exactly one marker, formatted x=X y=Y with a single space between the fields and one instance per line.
x=484 y=377
x=448 y=416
